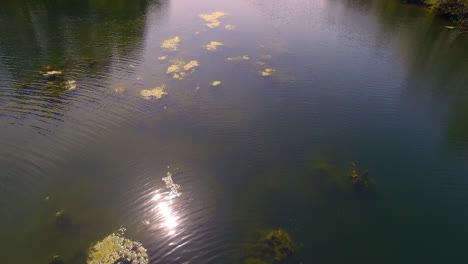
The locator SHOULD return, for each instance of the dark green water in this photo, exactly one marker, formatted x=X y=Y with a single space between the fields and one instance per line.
x=378 y=83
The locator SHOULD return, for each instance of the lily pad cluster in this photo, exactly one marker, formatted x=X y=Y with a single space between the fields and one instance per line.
x=116 y=249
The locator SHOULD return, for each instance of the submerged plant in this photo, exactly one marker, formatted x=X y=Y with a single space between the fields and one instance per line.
x=361 y=181
x=273 y=247
x=116 y=249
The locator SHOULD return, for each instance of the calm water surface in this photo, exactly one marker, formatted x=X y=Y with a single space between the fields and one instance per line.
x=378 y=83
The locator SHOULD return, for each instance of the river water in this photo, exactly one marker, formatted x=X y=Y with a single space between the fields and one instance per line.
x=257 y=112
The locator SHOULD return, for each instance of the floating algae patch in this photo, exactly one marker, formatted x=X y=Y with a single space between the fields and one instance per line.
x=230 y=27
x=216 y=83
x=157 y=92
x=162 y=57
x=171 y=185
x=273 y=246
x=238 y=59
x=213 y=18
x=171 y=44
x=116 y=249
x=180 y=69
x=70 y=85
x=265 y=57
x=191 y=65
x=213 y=45
x=267 y=72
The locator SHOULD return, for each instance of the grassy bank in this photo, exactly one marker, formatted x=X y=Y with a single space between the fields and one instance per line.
x=456 y=10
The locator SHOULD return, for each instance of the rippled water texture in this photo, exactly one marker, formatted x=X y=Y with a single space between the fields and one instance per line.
x=197 y=124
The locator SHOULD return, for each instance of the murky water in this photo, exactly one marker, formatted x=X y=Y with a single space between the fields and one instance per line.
x=255 y=109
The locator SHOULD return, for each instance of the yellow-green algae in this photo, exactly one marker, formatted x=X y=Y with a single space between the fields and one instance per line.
x=213 y=18
x=238 y=59
x=70 y=85
x=171 y=44
x=267 y=72
x=116 y=249
x=230 y=27
x=157 y=92
x=216 y=83
x=180 y=69
x=213 y=45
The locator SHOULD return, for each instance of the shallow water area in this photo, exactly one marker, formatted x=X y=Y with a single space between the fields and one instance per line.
x=197 y=125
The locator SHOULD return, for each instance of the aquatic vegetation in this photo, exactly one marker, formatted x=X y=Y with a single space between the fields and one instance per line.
x=51 y=74
x=57 y=260
x=273 y=246
x=213 y=45
x=267 y=72
x=191 y=65
x=116 y=249
x=157 y=92
x=265 y=57
x=119 y=89
x=238 y=59
x=171 y=185
x=162 y=57
x=63 y=221
x=216 y=83
x=70 y=85
x=180 y=69
x=213 y=18
x=360 y=181
x=171 y=44
x=230 y=27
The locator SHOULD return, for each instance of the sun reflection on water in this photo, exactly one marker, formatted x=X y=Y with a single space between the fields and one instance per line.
x=164 y=202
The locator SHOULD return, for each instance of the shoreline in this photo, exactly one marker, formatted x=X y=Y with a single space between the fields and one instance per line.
x=454 y=10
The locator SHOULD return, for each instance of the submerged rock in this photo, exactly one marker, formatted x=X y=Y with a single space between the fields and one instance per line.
x=116 y=249
x=273 y=246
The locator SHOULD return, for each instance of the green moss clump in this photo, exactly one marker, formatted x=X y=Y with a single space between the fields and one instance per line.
x=273 y=247
x=116 y=249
